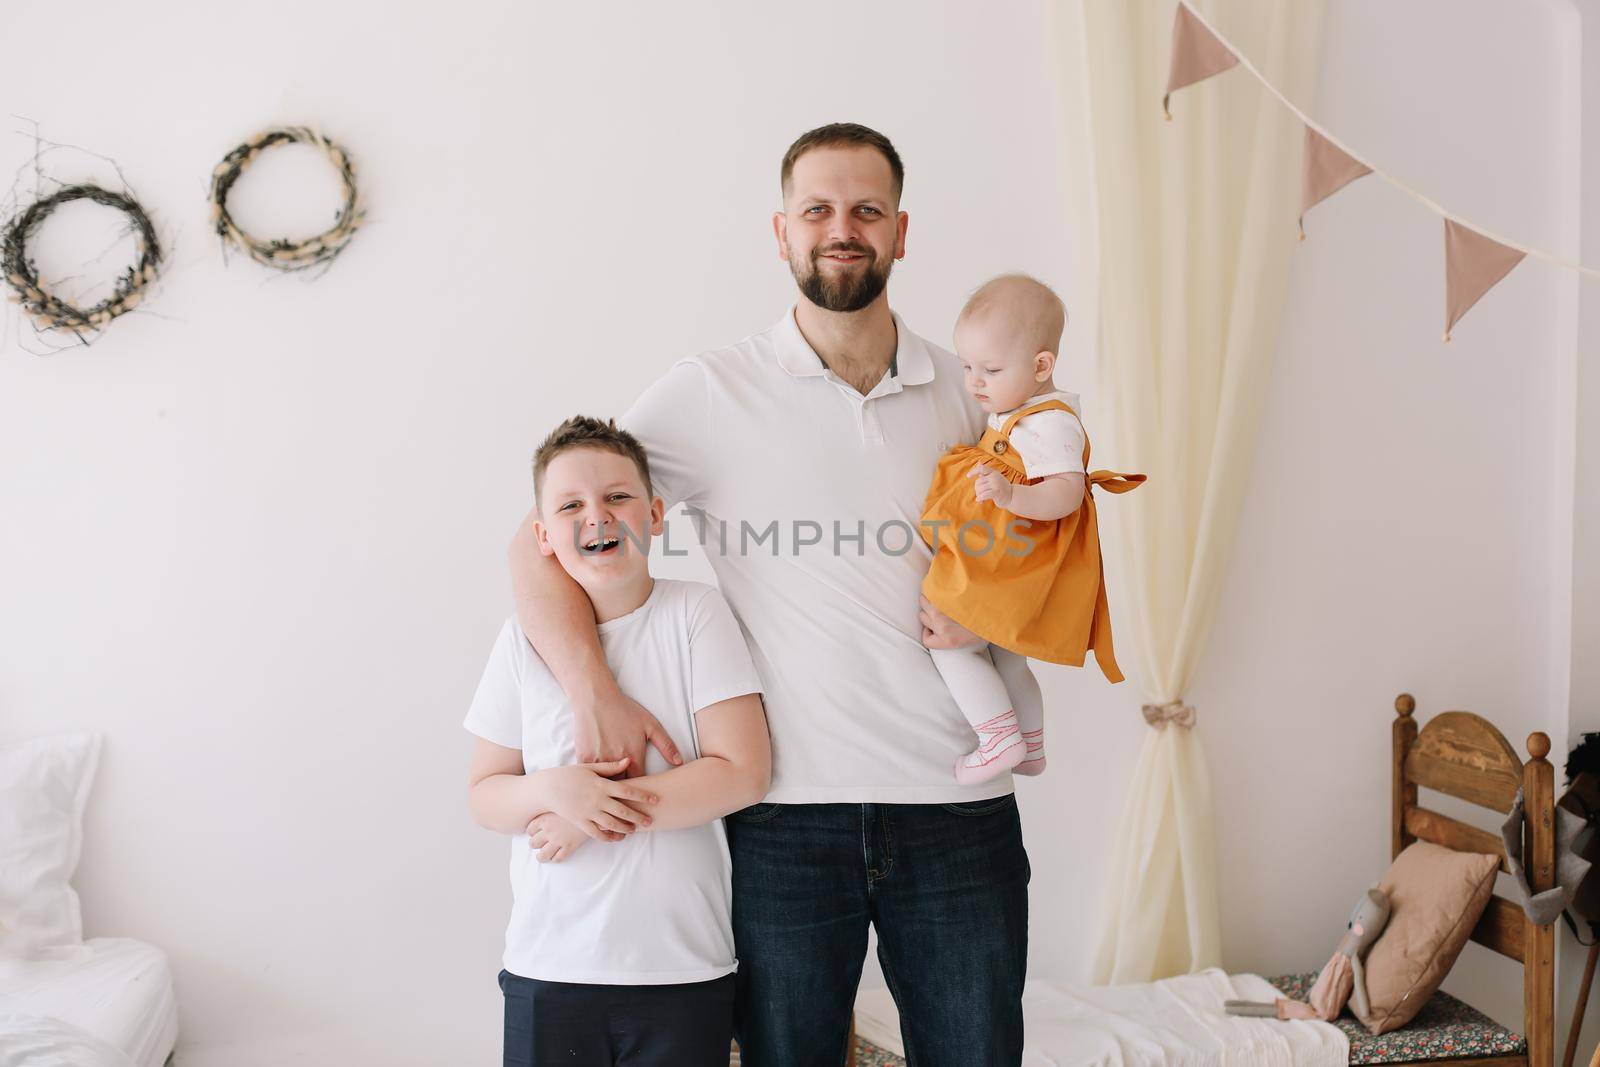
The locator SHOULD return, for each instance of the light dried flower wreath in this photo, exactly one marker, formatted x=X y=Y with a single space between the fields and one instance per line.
x=282 y=254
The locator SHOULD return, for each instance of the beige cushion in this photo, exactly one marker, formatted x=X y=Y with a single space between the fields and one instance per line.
x=1436 y=896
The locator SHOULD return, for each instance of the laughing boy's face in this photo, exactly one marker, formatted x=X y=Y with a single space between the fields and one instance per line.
x=597 y=517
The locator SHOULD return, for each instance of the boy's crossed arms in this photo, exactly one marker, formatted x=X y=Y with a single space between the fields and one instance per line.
x=560 y=808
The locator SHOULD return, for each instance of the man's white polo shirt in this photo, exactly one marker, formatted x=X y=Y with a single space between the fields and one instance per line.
x=806 y=496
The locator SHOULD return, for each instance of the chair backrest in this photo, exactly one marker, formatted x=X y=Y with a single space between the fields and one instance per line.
x=1464 y=756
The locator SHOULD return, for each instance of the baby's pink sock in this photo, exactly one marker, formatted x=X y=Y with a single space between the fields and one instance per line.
x=1034 y=762
x=1000 y=747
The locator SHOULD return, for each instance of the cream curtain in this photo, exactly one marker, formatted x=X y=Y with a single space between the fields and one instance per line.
x=1186 y=232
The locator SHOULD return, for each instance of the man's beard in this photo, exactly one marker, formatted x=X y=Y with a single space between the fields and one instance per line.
x=848 y=290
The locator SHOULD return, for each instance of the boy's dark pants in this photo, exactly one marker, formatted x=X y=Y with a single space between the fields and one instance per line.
x=945 y=885
x=574 y=1025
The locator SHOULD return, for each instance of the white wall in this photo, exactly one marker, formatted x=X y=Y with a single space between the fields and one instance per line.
x=255 y=535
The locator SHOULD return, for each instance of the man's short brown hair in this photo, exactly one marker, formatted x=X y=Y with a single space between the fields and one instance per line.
x=582 y=431
x=842 y=134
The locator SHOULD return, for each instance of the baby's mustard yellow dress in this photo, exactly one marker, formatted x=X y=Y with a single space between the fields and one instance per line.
x=1047 y=603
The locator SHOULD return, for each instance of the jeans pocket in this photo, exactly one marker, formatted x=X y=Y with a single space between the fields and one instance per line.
x=982 y=807
x=756 y=813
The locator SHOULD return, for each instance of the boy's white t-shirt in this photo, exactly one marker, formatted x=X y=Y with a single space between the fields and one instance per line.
x=656 y=907
x=1047 y=442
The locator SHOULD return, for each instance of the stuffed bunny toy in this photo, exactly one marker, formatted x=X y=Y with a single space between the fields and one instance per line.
x=1343 y=979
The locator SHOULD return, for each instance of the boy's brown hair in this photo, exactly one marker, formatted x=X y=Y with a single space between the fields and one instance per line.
x=582 y=431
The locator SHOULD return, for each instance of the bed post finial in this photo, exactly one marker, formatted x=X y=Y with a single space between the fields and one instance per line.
x=1404 y=732
x=1538 y=744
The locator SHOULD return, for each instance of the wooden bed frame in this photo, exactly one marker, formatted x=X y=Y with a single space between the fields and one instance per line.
x=1463 y=755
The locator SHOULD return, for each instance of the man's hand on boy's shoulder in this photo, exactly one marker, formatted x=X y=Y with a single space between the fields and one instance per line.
x=611 y=725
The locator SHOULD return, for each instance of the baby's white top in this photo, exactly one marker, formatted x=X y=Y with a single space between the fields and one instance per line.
x=1047 y=442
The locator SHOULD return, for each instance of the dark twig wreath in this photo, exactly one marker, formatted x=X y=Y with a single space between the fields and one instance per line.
x=282 y=254
x=50 y=312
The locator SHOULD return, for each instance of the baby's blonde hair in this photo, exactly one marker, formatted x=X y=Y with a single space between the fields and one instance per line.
x=1032 y=310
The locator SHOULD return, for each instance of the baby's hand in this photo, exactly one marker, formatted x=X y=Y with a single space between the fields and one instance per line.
x=554 y=838
x=991 y=485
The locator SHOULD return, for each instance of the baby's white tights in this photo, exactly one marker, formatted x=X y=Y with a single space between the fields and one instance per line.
x=1000 y=698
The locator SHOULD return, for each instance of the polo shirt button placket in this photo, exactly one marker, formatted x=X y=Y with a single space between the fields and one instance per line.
x=871 y=432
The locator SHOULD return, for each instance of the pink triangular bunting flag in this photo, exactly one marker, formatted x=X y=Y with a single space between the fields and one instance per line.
x=1196 y=54
x=1473 y=264
x=1325 y=169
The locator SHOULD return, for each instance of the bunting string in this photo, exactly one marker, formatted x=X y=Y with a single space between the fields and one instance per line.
x=1475 y=258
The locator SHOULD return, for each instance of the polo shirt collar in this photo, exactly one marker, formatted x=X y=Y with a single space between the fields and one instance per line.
x=912 y=364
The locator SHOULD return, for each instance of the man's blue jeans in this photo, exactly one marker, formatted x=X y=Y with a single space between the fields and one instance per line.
x=946 y=886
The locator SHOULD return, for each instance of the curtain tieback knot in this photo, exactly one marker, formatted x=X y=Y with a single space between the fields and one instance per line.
x=1158 y=715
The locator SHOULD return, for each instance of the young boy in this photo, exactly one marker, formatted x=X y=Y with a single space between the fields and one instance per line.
x=620 y=944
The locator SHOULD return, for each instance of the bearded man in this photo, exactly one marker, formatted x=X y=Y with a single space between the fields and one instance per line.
x=810 y=446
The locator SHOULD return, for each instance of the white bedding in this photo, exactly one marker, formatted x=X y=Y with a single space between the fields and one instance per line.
x=110 y=991
x=1176 y=1022
x=35 y=1041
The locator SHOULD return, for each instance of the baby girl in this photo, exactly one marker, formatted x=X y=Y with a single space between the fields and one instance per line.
x=1011 y=521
